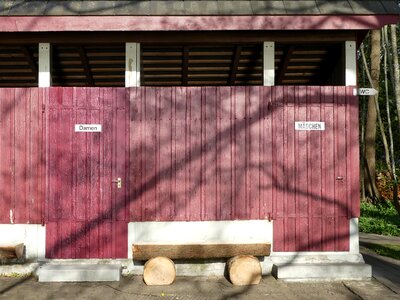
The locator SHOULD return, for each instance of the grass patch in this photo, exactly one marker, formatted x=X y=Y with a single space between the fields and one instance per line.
x=379 y=219
x=392 y=251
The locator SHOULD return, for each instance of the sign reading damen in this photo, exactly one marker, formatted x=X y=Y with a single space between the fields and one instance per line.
x=309 y=125
x=87 y=127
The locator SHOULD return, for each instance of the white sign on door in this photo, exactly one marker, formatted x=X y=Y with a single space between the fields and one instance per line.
x=309 y=125
x=87 y=127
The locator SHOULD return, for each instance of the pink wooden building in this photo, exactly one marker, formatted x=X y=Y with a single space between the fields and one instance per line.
x=182 y=122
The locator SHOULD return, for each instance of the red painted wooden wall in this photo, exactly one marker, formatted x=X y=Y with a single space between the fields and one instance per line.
x=191 y=153
x=21 y=156
x=196 y=153
x=316 y=172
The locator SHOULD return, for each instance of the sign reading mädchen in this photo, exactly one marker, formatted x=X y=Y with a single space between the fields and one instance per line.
x=87 y=127
x=309 y=125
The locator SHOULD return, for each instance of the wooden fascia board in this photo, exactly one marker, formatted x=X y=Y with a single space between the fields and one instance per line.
x=193 y=23
x=180 y=37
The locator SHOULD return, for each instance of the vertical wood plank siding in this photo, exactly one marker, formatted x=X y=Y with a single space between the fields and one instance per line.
x=86 y=214
x=191 y=154
x=319 y=189
x=21 y=162
x=196 y=151
x=231 y=153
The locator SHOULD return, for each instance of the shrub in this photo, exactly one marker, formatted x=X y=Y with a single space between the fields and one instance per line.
x=379 y=219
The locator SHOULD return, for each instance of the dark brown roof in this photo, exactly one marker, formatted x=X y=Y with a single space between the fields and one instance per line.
x=203 y=7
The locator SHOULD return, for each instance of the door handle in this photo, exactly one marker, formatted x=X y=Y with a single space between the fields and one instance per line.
x=339 y=178
x=118 y=181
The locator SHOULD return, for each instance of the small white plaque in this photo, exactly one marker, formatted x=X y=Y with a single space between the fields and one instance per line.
x=309 y=125
x=367 y=92
x=87 y=127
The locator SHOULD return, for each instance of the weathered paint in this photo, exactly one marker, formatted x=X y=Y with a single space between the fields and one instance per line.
x=191 y=154
x=193 y=23
x=85 y=210
x=232 y=153
x=317 y=171
x=21 y=161
x=188 y=154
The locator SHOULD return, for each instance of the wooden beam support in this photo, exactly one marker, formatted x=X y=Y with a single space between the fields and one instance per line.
x=86 y=66
x=132 y=65
x=269 y=63
x=282 y=70
x=351 y=63
x=197 y=251
x=31 y=61
x=185 y=65
x=44 y=65
x=235 y=64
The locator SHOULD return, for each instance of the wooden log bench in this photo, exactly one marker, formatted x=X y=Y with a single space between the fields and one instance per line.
x=13 y=253
x=243 y=266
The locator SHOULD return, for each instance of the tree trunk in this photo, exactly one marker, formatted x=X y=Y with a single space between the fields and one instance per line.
x=396 y=85
x=370 y=128
x=396 y=71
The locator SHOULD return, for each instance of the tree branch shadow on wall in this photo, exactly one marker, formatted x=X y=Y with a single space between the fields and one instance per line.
x=195 y=154
x=199 y=153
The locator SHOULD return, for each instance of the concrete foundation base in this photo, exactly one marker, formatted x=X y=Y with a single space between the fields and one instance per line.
x=79 y=273
x=323 y=271
x=293 y=266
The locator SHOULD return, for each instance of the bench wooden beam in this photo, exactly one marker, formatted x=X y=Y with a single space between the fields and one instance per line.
x=198 y=251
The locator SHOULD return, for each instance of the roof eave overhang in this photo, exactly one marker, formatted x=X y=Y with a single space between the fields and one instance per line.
x=193 y=23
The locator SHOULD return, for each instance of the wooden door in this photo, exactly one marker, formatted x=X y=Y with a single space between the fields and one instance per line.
x=316 y=190
x=85 y=208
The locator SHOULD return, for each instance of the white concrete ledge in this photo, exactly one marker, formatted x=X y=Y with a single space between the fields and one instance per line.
x=79 y=273
x=322 y=271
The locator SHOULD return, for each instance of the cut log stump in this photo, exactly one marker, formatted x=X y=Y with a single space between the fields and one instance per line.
x=8 y=252
x=244 y=270
x=159 y=271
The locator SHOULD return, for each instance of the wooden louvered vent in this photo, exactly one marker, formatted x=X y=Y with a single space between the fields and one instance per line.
x=175 y=65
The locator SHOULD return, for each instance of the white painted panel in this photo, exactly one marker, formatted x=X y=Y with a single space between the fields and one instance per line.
x=137 y=70
x=269 y=63
x=132 y=65
x=351 y=63
x=354 y=236
x=251 y=231
x=44 y=65
x=32 y=235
